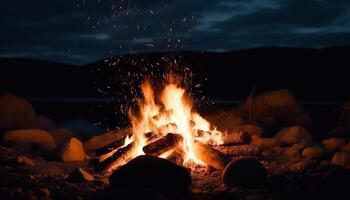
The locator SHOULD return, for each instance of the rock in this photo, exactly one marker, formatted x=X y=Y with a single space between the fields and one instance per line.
x=291 y=152
x=226 y=120
x=80 y=175
x=132 y=193
x=298 y=166
x=16 y=113
x=313 y=152
x=72 y=150
x=341 y=159
x=346 y=148
x=247 y=172
x=251 y=129
x=60 y=135
x=266 y=142
x=333 y=144
x=275 y=108
x=46 y=193
x=153 y=173
x=335 y=184
x=24 y=160
x=29 y=136
x=45 y=123
x=299 y=146
x=294 y=134
x=100 y=141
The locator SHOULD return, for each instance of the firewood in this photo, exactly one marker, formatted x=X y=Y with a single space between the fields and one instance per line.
x=240 y=150
x=110 y=147
x=116 y=159
x=211 y=156
x=236 y=138
x=177 y=156
x=163 y=145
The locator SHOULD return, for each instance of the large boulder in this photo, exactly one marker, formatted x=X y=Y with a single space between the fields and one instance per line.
x=333 y=144
x=293 y=135
x=100 y=141
x=154 y=173
x=275 y=109
x=265 y=142
x=71 y=150
x=246 y=172
x=16 y=113
x=60 y=135
x=29 y=136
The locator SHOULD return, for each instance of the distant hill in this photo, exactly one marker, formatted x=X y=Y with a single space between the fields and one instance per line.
x=311 y=74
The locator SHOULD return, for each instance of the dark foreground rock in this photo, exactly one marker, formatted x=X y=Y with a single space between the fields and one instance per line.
x=154 y=173
x=245 y=173
x=336 y=184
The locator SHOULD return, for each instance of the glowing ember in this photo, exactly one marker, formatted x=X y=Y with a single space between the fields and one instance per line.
x=170 y=112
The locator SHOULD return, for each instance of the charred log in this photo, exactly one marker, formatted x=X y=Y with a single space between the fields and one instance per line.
x=110 y=147
x=211 y=156
x=117 y=158
x=177 y=156
x=240 y=150
x=163 y=145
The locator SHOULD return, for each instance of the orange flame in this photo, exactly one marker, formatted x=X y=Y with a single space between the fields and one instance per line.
x=173 y=114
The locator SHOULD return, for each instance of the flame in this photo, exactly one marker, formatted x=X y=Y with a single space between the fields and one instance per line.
x=173 y=113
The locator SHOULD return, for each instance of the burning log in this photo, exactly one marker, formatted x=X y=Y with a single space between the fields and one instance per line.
x=117 y=158
x=163 y=145
x=110 y=147
x=211 y=156
x=236 y=138
x=177 y=156
x=240 y=150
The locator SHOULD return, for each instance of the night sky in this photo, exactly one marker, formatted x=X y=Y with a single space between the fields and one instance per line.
x=82 y=31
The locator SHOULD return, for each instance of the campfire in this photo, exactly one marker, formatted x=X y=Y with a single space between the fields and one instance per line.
x=166 y=125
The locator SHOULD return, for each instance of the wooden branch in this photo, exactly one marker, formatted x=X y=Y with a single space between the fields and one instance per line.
x=240 y=150
x=163 y=145
x=116 y=159
x=211 y=156
x=177 y=156
x=110 y=147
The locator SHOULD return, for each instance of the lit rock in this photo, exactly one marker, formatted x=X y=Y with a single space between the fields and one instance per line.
x=16 y=113
x=29 y=136
x=60 y=135
x=80 y=175
x=24 y=160
x=333 y=144
x=291 y=152
x=246 y=172
x=294 y=134
x=346 y=148
x=341 y=159
x=99 y=141
x=72 y=150
x=45 y=123
x=313 y=152
x=154 y=173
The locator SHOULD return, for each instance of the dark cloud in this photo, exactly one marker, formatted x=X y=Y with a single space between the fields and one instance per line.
x=81 y=31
